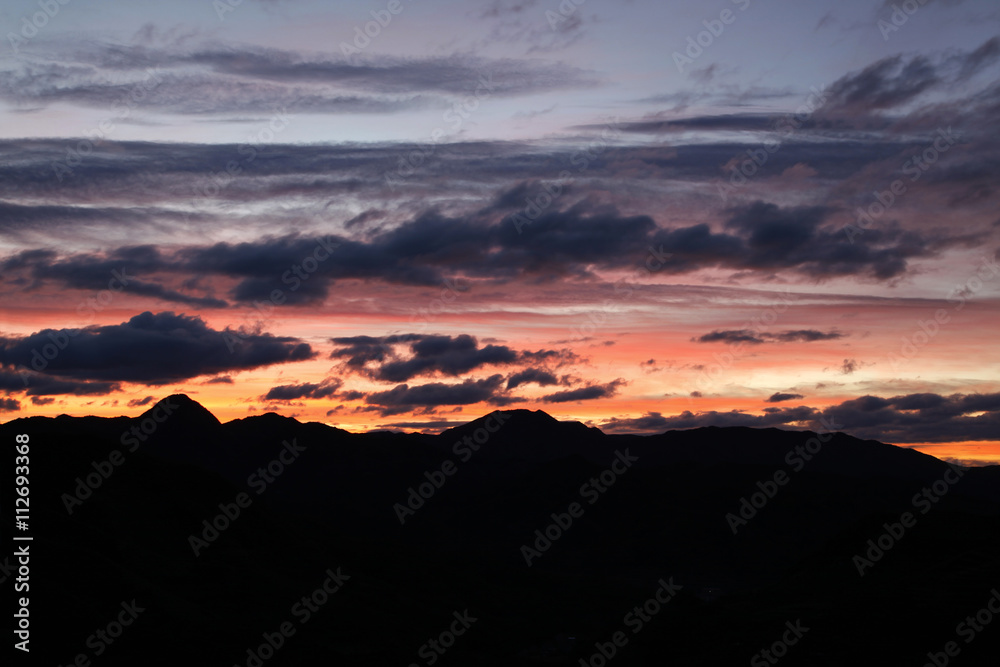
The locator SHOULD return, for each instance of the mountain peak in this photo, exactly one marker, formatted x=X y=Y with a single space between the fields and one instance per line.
x=511 y=420
x=180 y=405
x=530 y=434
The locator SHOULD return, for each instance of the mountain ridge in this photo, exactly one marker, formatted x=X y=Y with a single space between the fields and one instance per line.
x=515 y=423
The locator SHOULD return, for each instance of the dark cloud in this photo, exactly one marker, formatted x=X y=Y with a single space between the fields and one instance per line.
x=360 y=350
x=888 y=83
x=447 y=355
x=288 y=392
x=849 y=366
x=921 y=417
x=234 y=79
x=570 y=238
x=138 y=402
x=399 y=358
x=780 y=397
x=892 y=84
x=732 y=336
x=38 y=384
x=654 y=421
x=752 y=122
x=804 y=336
x=120 y=271
x=9 y=405
x=532 y=375
x=150 y=349
x=559 y=243
x=585 y=393
x=911 y=418
x=561 y=357
x=404 y=398
x=754 y=337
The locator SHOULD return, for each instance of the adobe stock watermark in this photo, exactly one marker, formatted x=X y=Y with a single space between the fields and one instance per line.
x=796 y=458
x=592 y=491
x=293 y=277
x=131 y=438
x=735 y=350
x=432 y=650
x=61 y=338
x=566 y=9
x=215 y=182
x=742 y=169
x=968 y=629
x=122 y=107
x=696 y=44
x=914 y=168
x=259 y=481
x=303 y=611
x=451 y=289
x=901 y=13
x=408 y=163
x=581 y=159
x=635 y=621
x=623 y=291
x=223 y=7
x=894 y=532
x=779 y=649
x=372 y=29
x=29 y=28
x=103 y=638
x=464 y=449
x=927 y=329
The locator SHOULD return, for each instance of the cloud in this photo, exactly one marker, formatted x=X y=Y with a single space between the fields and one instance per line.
x=401 y=357
x=531 y=375
x=446 y=355
x=779 y=397
x=753 y=337
x=556 y=28
x=909 y=418
x=38 y=384
x=213 y=79
x=752 y=122
x=9 y=405
x=288 y=392
x=585 y=393
x=888 y=83
x=149 y=349
x=138 y=402
x=732 y=337
x=804 y=336
x=121 y=271
x=404 y=398
x=899 y=82
x=656 y=422
x=921 y=417
x=849 y=366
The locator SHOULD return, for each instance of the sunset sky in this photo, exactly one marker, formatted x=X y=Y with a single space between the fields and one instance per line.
x=404 y=214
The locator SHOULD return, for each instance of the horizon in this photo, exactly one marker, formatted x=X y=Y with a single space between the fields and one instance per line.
x=441 y=430
x=753 y=216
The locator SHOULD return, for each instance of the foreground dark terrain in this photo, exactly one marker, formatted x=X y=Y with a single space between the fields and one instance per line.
x=121 y=515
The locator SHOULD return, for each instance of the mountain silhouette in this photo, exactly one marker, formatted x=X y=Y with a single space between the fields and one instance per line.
x=431 y=525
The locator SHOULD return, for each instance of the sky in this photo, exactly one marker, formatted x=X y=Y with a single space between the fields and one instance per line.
x=404 y=214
